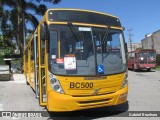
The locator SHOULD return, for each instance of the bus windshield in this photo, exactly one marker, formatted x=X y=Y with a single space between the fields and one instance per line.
x=79 y=50
x=151 y=55
x=145 y=56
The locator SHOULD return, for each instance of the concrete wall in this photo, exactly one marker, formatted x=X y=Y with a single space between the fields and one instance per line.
x=152 y=41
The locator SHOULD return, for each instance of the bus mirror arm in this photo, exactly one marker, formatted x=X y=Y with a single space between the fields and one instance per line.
x=44 y=32
x=43 y=35
x=123 y=28
x=126 y=50
x=125 y=46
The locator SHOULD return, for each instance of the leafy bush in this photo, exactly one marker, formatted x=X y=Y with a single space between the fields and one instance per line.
x=6 y=46
x=2 y=61
x=17 y=66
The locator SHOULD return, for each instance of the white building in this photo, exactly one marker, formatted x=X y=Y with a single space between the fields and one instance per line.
x=134 y=46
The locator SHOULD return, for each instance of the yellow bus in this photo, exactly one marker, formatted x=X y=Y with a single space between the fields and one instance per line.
x=76 y=59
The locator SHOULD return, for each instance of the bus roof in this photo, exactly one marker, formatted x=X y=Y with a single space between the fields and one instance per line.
x=83 y=10
x=142 y=50
x=82 y=16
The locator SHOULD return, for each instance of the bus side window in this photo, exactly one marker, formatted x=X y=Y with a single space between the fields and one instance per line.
x=133 y=56
x=136 y=57
x=32 y=50
x=42 y=52
x=42 y=45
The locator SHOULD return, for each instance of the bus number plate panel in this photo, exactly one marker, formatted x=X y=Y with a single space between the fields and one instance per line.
x=81 y=85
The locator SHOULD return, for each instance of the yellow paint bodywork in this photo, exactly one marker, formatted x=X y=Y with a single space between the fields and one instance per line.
x=110 y=92
x=60 y=102
x=30 y=72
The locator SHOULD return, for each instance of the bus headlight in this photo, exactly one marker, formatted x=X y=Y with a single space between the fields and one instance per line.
x=125 y=81
x=55 y=83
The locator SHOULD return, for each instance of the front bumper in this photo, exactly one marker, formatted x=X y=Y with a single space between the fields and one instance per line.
x=146 y=66
x=60 y=102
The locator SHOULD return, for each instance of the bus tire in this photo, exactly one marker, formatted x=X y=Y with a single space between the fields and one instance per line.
x=120 y=108
x=27 y=81
x=133 y=68
x=148 y=69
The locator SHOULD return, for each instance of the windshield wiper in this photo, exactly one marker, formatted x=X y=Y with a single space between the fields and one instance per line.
x=104 y=41
x=105 y=35
x=74 y=31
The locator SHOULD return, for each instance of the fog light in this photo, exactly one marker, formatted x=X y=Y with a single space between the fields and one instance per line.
x=56 y=87
x=53 y=80
x=123 y=95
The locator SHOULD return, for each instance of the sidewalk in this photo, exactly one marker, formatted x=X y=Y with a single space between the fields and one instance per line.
x=19 y=78
x=15 y=95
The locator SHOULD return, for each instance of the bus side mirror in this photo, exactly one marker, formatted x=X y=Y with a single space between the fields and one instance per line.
x=125 y=46
x=123 y=28
x=126 y=52
x=44 y=32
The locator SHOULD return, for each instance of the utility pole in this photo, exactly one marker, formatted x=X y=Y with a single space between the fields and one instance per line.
x=130 y=38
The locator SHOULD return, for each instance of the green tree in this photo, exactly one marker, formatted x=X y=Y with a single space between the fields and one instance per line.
x=18 y=15
x=6 y=46
x=4 y=15
x=139 y=48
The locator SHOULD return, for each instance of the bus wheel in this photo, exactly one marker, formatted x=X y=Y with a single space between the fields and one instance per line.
x=149 y=70
x=134 y=69
x=27 y=81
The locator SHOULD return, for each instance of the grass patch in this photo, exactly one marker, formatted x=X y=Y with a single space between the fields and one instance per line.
x=157 y=68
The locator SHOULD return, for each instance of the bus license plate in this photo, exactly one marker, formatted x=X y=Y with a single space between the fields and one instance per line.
x=81 y=85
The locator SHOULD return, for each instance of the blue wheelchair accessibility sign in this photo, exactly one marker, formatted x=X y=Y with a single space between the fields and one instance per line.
x=100 y=69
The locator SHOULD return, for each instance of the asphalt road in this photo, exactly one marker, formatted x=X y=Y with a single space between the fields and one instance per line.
x=144 y=95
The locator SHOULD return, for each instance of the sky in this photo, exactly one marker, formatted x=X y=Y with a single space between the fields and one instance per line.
x=140 y=15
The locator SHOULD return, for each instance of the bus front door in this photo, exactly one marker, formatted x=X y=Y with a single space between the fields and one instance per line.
x=42 y=72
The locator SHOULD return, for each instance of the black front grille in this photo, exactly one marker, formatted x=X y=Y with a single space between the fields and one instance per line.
x=94 y=101
x=151 y=62
x=143 y=62
x=92 y=95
